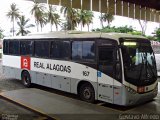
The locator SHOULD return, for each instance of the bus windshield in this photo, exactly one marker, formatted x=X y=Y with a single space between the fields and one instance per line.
x=139 y=62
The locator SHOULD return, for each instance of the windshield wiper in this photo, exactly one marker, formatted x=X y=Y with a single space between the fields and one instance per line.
x=148 y=66
x=141 y=68
x=155 y=76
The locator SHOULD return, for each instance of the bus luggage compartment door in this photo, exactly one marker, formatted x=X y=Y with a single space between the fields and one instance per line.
x=105 y=73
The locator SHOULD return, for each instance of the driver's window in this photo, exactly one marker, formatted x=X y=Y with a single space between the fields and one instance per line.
x=106 y=55
x=106 y=60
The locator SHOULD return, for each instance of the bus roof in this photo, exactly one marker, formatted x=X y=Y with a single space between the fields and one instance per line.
x=76 y=34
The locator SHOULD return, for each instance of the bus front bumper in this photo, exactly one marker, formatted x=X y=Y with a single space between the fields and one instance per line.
x=134 y=99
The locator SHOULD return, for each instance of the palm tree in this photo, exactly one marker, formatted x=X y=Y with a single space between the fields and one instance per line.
x=81 y=15
x=13 y=14
x=89 y=18
x=71 y=17
x=23 y=26
x=38 y=12
x=53 y=18
x=85 y=18
x=43 y=20
x=106 y=17
x=1 y=34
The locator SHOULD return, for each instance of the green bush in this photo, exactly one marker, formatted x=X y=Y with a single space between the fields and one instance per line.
x=128 y=30
x=135 y=32
x=158 y=34
x=108 y=29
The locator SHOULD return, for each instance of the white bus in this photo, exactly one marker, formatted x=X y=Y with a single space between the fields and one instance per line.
x=114 y=68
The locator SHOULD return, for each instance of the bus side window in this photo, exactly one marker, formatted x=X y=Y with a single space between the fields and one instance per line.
x=26 y=47
x=106 y=60
x=14 y=47
x=60 y=50
x=88 y=51
x=5 y=47
x=76 y=50
x=42 y=49
x=83 y=50
x=106 y=56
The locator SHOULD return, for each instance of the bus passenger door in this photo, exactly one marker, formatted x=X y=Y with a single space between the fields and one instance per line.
x=105 y=73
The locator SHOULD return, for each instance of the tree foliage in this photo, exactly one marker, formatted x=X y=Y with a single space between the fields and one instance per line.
x=71 y=15
x=53 y=18
x=124 y=29
x=106 y=17
x=38 y=11
x=23 y=26
x=157 y=34
x=85 y=18
x=74 y=17
x=1 y=33
x=13 y=14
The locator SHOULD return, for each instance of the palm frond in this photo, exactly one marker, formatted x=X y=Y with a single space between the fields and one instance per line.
x=23 y=26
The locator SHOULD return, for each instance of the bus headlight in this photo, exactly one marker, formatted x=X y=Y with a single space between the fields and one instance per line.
x=130 y=90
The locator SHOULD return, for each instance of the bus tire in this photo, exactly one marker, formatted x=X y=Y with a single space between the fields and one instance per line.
x=87 y=93
x=26 y=79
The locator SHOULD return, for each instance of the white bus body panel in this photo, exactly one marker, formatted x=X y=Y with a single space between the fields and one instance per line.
x=76 y=69
x=61 y=80
x=12 y=61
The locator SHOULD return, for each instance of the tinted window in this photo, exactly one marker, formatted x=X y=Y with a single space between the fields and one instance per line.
x=14 y=47
x=5 y=47
x=60 y=49
x=26 y=47
x=88 y=50
x=42 y=49
x=106 y=55
x=83 y=50
x=106 y=61
x=77 y=50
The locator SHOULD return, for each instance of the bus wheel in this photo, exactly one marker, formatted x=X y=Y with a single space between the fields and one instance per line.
x=87 y=93
x=26 y=79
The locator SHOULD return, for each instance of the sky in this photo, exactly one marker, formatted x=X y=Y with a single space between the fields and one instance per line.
x=25 y=8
